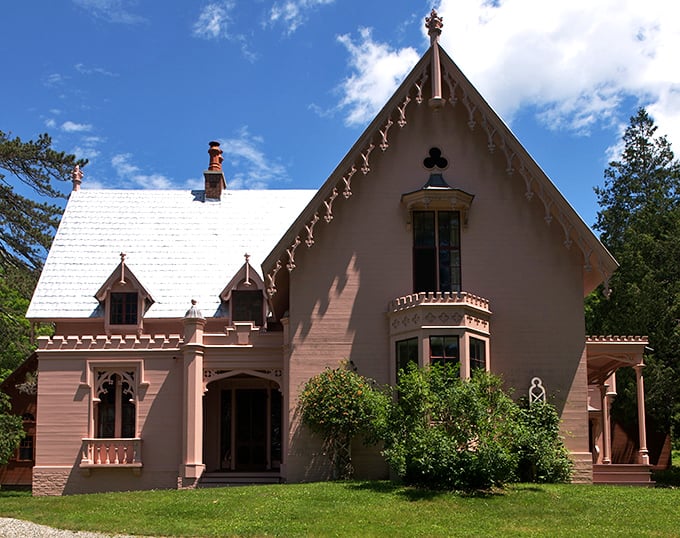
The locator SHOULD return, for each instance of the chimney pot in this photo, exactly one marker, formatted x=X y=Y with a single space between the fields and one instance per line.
x=214 y=177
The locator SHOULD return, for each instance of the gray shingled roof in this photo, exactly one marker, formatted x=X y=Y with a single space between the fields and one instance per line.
x=178 y=246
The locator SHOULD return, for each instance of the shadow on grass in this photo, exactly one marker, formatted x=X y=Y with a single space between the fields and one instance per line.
x=415 y=494
x=667 y=478
x=8 y=493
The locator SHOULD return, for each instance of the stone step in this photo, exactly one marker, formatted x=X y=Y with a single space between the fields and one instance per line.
x=222 y=479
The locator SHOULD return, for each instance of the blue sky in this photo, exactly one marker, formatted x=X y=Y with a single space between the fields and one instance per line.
x=139 y=87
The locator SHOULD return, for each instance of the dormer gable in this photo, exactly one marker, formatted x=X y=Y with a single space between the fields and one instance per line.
x=245 y=297
x=124 y=300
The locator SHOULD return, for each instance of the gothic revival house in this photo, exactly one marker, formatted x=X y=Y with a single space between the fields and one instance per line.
x=186 y=322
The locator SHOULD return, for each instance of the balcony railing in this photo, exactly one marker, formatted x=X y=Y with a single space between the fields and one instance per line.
x=111 y=453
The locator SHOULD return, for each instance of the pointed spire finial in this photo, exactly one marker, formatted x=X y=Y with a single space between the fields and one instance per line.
x=76 y=177
x=122 y=267
x=434 y=24
x=247 y=257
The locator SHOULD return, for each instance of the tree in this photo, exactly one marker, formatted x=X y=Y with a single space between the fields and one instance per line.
x=27 y=226
x=11 y=430
x=639 y=222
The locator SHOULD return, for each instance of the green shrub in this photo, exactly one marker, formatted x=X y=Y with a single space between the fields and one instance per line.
x=339 y=404
x=542 y=454
x=447 y=433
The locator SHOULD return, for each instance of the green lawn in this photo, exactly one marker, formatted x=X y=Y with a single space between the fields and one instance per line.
x=361 y=509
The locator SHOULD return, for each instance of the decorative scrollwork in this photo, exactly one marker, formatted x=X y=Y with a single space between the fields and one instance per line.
x=104 y=381
x=329 y=206
x=452 y=84
x=291 y=254
x=271 y=278
x=347 y=180
x=310 y=230
x=366 y=168
x=419 y=88
x=402 y=111
x=383 y=133
x=490 y=132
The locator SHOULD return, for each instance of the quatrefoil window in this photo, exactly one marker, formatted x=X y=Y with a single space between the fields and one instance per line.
x=435 y=160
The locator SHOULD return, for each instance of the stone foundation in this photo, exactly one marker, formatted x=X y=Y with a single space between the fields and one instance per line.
x=50 y=480
x=583 y=467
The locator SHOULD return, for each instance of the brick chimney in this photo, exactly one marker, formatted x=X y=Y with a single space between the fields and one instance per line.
x=214 y=177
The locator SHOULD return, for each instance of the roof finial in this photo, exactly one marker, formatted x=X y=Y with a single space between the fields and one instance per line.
x=247 y=257
x=76 y=177
x=434 y=24
x=122 y=267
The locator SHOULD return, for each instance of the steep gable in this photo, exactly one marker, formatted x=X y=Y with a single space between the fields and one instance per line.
x=437 y=82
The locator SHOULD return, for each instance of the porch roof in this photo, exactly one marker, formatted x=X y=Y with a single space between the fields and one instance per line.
x=606 y=354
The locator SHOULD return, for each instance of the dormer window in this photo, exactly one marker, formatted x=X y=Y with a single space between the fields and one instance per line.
x=243 y=298
x=247 y=305
x=123 y=308
x=124 y=301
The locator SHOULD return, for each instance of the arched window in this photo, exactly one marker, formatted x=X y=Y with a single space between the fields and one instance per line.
x=115 y=410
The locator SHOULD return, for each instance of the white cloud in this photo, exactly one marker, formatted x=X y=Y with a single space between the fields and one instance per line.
x=73 y=127
x=293 y=13
x=85 y=70
x=54 y=79
x=214 y=20
x=574 y=63
x=377 y=71
x=254 y=170
x=131 y=174
x=111 y=10
x=50 y=123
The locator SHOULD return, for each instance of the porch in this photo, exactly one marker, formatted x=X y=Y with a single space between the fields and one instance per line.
x=606 y=354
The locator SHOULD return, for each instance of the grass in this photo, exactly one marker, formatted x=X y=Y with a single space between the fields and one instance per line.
x=360 y=509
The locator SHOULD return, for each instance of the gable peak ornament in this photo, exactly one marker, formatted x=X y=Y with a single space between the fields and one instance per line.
x=434 y=24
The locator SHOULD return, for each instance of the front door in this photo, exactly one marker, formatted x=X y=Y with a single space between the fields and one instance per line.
x=251 y=429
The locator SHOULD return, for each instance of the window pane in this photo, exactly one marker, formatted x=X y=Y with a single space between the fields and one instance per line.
x=26 y=448
x=123 y=309
x=449 y=250
x=423 y=229
x=444 y=349
x=407 y=352
x=247 y=306
x=477 y=354
x=436 y=346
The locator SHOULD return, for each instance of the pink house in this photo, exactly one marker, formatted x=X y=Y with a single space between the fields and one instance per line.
x=186 y=322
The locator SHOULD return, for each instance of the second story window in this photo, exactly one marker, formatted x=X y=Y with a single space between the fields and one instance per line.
x=246 y=305
x=436 y=251
x=123 y=309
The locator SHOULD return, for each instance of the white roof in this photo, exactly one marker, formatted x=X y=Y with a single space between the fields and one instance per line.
x=177 y=245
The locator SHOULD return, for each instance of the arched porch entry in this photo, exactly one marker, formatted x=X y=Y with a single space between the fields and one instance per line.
x=242 y=416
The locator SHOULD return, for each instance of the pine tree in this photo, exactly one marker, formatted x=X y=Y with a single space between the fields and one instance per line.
x=27 y=225
x=639 y=221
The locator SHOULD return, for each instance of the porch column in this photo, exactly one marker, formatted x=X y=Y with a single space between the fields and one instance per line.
x=192 y=410
x=644 y=453
x=606 y=426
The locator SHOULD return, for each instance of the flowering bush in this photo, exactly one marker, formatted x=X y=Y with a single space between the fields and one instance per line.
x=339 y=404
